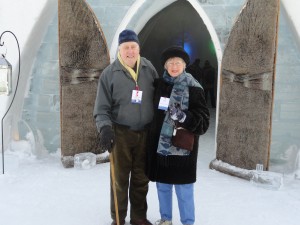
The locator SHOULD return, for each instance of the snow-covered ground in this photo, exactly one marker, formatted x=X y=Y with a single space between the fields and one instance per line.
x=40 y=191
x=35 y=191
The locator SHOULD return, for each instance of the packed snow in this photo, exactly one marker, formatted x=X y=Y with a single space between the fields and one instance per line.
x=39 y=190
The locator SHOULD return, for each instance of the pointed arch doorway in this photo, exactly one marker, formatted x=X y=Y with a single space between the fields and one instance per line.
x=177 y=24
x=181 y=22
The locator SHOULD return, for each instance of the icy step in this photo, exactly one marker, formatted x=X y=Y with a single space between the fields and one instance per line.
x=267 y=179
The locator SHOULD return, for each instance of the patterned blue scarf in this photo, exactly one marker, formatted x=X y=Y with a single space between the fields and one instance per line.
x=179 y=95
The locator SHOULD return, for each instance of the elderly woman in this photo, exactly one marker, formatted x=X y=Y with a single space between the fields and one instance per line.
x=178 y=102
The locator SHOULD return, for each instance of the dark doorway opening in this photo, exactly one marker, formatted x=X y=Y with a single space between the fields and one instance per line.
x=178 y=24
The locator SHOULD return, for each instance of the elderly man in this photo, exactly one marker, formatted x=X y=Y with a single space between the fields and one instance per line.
x=123 y=110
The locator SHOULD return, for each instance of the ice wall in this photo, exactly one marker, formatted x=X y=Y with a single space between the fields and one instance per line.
x=41 y=107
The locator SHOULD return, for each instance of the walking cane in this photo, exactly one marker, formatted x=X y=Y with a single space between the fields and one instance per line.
x=112 y=168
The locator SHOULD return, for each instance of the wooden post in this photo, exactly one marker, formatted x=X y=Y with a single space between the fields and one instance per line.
x=247 y=88
x=83 y=54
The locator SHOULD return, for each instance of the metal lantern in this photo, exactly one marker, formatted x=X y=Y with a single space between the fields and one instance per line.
x=5 y=76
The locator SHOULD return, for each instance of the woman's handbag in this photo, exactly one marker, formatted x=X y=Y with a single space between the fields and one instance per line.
x=183 y=138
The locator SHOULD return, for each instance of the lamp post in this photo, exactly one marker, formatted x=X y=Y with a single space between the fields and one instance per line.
x=6 y=84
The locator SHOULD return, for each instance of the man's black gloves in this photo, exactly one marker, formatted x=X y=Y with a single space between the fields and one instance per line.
x=107 y=138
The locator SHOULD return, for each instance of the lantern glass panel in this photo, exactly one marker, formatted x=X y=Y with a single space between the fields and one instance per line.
x=5 y=77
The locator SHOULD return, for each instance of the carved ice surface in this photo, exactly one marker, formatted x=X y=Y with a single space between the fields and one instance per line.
x=85 y=160
x=297 y=175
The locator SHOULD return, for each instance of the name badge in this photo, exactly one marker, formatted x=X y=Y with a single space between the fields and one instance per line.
x=163 y=103
x=136 y=96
